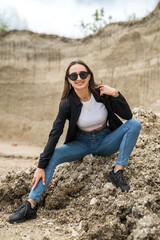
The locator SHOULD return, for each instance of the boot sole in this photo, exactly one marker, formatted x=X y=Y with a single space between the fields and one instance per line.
x=22 y=220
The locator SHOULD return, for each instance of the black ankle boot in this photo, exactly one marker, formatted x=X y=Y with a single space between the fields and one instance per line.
x=118 y=180
x=23 y=213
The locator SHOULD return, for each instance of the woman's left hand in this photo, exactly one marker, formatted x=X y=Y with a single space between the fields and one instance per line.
x=105 y=89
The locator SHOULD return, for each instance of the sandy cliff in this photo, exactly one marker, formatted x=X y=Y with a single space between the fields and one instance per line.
x=123 y=55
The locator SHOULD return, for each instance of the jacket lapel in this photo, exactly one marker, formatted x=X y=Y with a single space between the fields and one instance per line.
x=76 y=106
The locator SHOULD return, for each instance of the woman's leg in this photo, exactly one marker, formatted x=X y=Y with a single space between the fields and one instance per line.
x=123 y=139
x=66 y=153
x=69 y=152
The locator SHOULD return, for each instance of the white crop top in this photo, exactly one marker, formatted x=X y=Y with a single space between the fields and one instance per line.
x=93 y=115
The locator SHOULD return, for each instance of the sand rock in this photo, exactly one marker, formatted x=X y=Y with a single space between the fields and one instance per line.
x=124 y=55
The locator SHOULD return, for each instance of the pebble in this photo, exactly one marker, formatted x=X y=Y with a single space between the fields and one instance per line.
x=74 y=233
x=93 y=201
x=26 y=238
x=50 y=223
x=80 y=226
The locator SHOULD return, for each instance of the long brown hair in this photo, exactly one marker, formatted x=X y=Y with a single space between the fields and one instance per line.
x=92 y=85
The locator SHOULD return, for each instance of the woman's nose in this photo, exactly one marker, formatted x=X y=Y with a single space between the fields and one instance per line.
x=78 y=77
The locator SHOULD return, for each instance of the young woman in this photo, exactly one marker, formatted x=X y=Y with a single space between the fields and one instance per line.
x=94 y=127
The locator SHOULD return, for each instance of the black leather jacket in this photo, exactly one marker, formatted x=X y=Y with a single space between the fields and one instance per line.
x=70 y=109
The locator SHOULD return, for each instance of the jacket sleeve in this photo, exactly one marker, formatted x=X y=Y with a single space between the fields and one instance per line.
x=120 y=107
x=54 y=134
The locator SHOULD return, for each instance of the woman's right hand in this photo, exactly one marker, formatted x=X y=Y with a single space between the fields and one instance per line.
x=39 y=173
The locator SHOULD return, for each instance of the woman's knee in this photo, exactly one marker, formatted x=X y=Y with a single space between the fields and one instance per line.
x=136 y=124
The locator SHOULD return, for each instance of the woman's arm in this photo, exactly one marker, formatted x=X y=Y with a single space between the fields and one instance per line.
x=119 y=104
x=54 y=134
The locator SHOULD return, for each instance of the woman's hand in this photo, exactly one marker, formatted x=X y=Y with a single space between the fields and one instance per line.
x=105 y=89
x=39 y=173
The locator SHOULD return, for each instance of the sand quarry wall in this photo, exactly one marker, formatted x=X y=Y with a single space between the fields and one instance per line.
x=32 y=66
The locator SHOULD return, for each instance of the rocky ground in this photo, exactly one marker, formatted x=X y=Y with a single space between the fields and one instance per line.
x=80 y=204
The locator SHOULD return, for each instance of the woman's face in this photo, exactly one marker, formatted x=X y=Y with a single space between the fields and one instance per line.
x=79 y=83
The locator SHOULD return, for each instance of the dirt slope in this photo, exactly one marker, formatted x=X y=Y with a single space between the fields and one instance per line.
x=80 y=204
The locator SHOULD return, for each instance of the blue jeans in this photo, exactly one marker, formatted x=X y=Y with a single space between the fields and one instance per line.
x=103 y=142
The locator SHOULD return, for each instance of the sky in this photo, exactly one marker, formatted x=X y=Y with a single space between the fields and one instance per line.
x=63 y=17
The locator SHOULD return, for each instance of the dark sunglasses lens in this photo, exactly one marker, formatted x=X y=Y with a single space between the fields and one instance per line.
x=73 y=76
x=83 y=75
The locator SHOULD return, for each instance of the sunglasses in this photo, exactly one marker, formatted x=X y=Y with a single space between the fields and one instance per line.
x=82 y=74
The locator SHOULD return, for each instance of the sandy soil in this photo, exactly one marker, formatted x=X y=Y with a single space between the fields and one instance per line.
x=43 y=228
x=15 y=156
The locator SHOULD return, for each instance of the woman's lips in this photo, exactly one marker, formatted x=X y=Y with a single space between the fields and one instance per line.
x=79 y=83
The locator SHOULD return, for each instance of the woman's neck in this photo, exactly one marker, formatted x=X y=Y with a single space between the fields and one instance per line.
x=84 y=94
